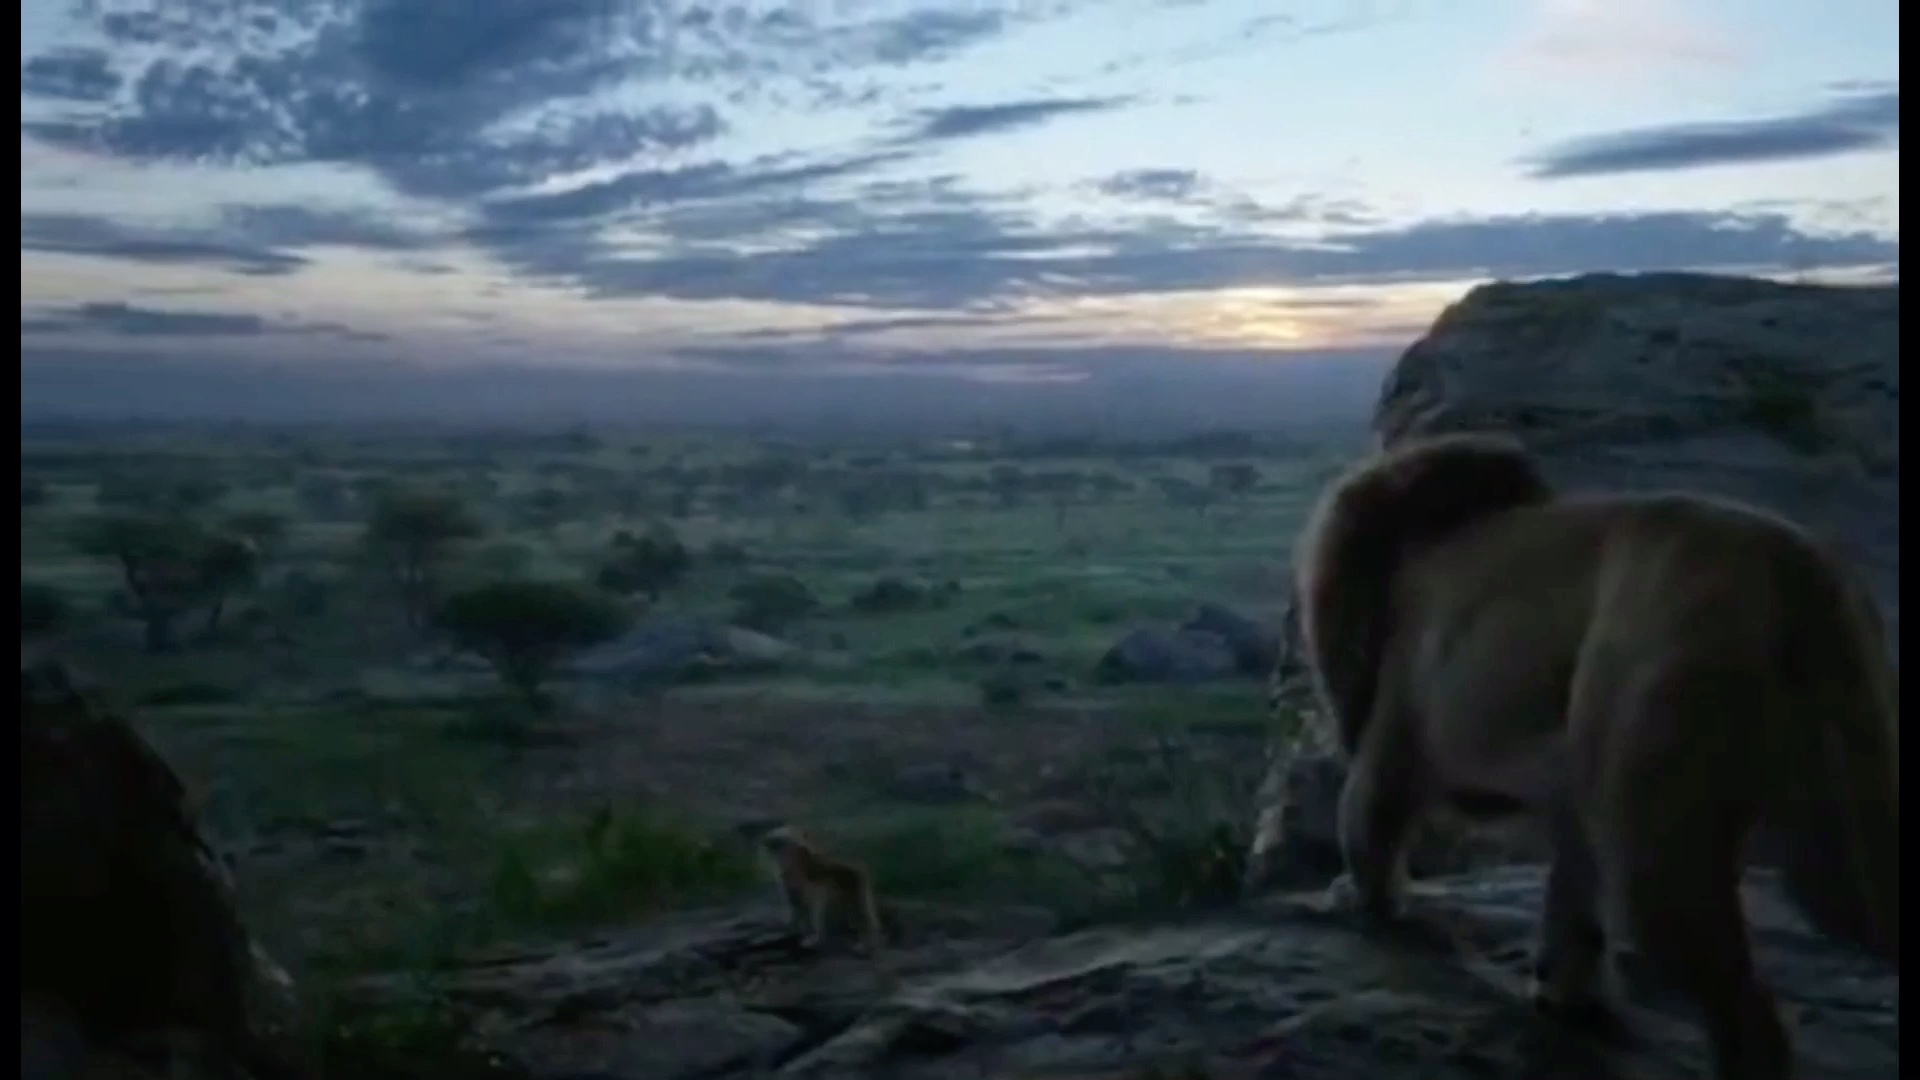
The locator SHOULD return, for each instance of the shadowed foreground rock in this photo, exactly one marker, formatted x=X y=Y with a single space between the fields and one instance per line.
x=1281 y=992
x=133 y=963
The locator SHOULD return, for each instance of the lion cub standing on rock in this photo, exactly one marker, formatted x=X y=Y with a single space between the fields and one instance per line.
x=1654 y=675
x=813 y=884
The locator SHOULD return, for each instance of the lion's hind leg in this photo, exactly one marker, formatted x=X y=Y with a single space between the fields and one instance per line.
x=1381 y=804
x=1570 y=956
x=1671 y=815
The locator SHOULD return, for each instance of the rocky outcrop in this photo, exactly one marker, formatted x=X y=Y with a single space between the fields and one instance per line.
x=670 y=648
x=1785 y=396
x=133 y=961
x=1151 y=654
x=1284 y=989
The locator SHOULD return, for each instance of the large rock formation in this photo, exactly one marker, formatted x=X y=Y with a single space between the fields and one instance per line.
x=133 y=962
x=1786 y=396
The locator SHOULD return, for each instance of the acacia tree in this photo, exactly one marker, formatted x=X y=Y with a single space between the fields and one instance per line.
x=1233 y=478
x=524 y=629
x=225 y=564
x=169 y=566
x=412 y=534
x=264 y=527
x=647 y=564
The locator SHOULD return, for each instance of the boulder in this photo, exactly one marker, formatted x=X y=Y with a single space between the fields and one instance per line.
x=1154 y=655
x=1785 y=396
x=1255 y=645
x=134 y=961
x=666 y=648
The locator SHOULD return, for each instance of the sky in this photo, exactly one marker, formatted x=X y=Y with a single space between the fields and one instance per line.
x=985 y=192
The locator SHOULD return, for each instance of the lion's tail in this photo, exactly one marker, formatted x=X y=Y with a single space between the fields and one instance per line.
x=1367 y=524
x=1841 y=783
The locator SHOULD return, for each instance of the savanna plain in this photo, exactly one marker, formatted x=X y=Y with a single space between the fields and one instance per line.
x=438 y=693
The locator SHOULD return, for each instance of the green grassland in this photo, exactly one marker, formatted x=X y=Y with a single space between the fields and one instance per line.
x=379 y=820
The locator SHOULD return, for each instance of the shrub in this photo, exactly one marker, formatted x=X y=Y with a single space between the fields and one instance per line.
x=412 y=533
x=888 y=594
x=526 y=628
x=646 y=564
x=611 y=865
x=770 y=601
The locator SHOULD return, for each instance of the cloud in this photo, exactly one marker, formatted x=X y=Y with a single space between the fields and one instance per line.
x=709 y=181
x=297 y=226
x=939 y=251
x=1862 y=120
x=75 y=234
x=1619 y=39
x=611 y=149
x=455 y=100
x=1152 y=184
x=70 y=74
x=130 y=320
x=967 y=121
x=252 y=239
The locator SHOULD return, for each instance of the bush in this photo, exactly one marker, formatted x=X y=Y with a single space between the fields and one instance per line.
x=646 y=564
x=1002 y=689
x=614 y=864
x=770 y=601
x=1187 y=825
x=412 y=533
x=888 y=594
x=726 y=553
x=526 y=628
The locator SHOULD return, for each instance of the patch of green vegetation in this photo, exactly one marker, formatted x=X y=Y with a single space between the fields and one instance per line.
x=1786 y=409
x=417 y=1033
x=958 y=854
x=614 y=866
x=334 y=735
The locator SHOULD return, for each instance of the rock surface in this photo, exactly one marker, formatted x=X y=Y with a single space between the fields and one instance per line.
x=674 y=647
x=1282 y=990
x=1786 y=396
x=133 y=961
x=1152 y=654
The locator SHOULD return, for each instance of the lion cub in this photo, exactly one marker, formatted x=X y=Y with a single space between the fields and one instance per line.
x=812 y=883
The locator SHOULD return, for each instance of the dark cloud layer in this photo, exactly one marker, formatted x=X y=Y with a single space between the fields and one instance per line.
x=456 y=99
x=70 y=75
x=966 y=121
x=977 y=255
x=256 y=240
x=1861 y=120
x=131 y=320
x=1152 y=184
x=74 y=234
